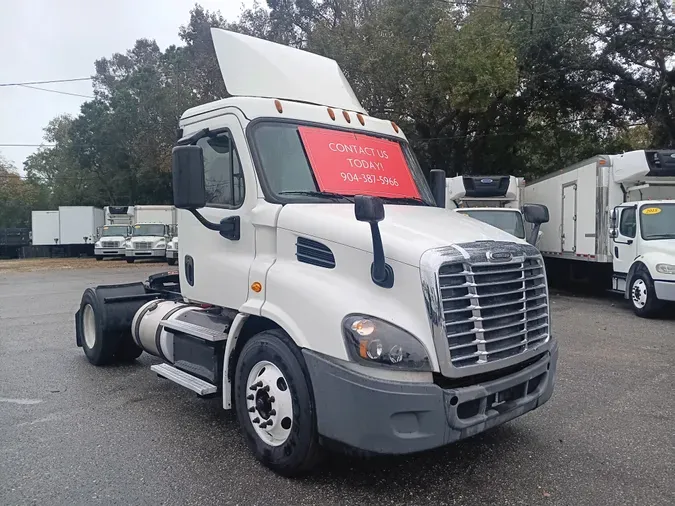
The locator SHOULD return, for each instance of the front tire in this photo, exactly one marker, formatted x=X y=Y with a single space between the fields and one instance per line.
x=130 y=260
x=643 y=295
x=99 y=258
x=275 y=405
x=171 y=261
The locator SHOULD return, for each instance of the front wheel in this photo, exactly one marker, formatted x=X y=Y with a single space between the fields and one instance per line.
x=275 y=405
x=99 y=258
x=171 y=261
x=643 y=296
x=130 y=260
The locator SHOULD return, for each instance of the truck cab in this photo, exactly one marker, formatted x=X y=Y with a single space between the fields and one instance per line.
x=111 y=241
x=642 y=229
x=172 y=247
x=497 y=201
x=147 y=240
x=324 y=292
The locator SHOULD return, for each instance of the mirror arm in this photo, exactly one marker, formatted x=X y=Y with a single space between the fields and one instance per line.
x=187 y=141
x=534 y=233
x=204 y=221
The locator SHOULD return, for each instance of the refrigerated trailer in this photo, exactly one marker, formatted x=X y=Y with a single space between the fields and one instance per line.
x=324 y=292
x=612 y=222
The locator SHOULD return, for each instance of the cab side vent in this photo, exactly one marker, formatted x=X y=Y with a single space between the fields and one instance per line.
x=314 y=253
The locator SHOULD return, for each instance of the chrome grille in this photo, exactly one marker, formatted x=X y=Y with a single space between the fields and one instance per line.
x=493 y=311
x=142 y=245
x=110 y=244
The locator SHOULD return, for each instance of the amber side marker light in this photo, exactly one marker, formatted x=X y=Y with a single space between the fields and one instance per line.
x=331 y=113
x=360 y=118
x=347 y=117
x=395 y=126
x=278 y=106
x=256 y=287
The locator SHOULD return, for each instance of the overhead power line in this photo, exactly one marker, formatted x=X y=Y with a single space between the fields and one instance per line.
x=49 y=81
x=55 y=91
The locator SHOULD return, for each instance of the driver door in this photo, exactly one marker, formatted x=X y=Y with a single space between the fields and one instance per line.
x=625 y=245
x=215 y=269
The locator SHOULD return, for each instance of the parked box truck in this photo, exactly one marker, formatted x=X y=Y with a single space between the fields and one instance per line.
x=79 y=224
x=495 y=200
x=45 y=228
x=115 y=233
x=151 y=232
x=612 y=222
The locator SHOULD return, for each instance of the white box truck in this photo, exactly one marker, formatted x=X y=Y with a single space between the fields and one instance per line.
x=613 y=222
x=115 y=233
x=151 y=232
x=497 y=201
x=45 y=228
x=324 y=291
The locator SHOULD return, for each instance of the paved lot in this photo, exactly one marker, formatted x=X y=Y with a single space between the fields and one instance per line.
x=73 y=434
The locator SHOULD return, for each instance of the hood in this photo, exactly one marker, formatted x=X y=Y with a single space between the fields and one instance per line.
x=407 y=231
x=147 y=238
x=665 y=246
x=111 y=238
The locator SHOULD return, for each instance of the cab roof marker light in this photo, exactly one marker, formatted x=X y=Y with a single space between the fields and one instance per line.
x=331 y=113
x=347 y=117
x=277 y=104
x=359 y=116
x=395 y=126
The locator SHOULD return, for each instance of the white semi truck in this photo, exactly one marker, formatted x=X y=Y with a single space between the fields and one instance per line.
x=115 y=233
x=151 y=233
x=613 y=223
x=497 y=201
x=324 y=291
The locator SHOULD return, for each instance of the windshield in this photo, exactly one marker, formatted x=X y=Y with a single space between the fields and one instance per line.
x=300 y=162
x=508 y=221
x=153 y=229
x=657 y=221
x=115 y=230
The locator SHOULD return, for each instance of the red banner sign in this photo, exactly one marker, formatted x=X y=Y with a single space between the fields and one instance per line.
x=354 y=164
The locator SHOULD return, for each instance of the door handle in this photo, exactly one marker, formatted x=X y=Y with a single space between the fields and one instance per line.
x=229 y=228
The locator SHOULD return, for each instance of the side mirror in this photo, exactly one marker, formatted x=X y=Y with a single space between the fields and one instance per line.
x=368 y=209
x=189 y=187
x=535 y=213
x=437 y=184
x=371 y=210
x=613 y=234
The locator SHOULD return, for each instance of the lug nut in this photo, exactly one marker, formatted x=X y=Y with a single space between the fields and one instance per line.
x=256 y=385
x=250 y=397
x=251 y=409
x=273 y=412
x=256 y=420
x=266 y=388
x=272 y=399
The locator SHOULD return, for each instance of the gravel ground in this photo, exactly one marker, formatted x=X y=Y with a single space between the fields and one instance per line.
x=73 y=434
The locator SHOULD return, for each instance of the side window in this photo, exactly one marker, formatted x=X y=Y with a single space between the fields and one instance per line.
x=627 y=224
x=222 y=171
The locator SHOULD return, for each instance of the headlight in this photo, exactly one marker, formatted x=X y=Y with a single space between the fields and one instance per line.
x=160 y=244
x=97 y=245
x=665 y=268
x=374 y=342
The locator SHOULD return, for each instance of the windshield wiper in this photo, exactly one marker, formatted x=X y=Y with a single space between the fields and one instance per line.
x=405 y=200
x=329 y=195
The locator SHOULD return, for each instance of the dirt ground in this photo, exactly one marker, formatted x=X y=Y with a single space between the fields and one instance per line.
x=50 y=264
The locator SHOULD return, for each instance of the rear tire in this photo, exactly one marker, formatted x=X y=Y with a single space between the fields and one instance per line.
x=98 y=259
x=642 y=295
x=281 y=394
x=130 y=260
x=171 y=261
x=99 y=349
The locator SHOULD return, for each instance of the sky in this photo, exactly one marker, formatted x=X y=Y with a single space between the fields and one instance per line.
x=61 y=39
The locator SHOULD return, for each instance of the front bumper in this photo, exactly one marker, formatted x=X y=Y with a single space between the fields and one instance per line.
x=171 y=253
x=665 y=290
x=109 y=252
x=388 y=417
x=145 y=253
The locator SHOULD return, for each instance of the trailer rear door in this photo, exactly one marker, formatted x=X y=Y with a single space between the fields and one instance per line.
x=569 y=218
